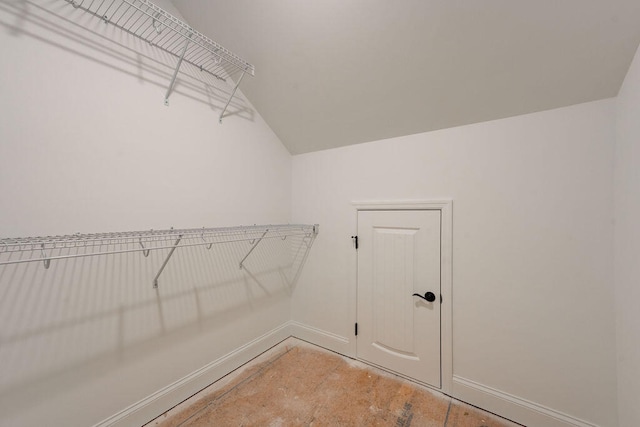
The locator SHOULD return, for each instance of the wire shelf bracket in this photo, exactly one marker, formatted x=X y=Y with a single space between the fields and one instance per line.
x=231 y=97
x=164 y=264
x=45 y=249
x=253 y=247
x=154 y=25
x=175 y=73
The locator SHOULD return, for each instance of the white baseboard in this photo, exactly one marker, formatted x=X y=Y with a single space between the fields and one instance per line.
x=512 y=407
x=506 y=405
x=171 y=395
x=322 y=338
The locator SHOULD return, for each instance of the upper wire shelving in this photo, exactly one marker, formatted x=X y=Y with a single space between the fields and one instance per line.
x=45 y=249
x=159 y=28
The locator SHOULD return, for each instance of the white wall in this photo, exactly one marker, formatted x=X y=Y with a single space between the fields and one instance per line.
x=627 y=246
x=533 y=304
x=86 y=145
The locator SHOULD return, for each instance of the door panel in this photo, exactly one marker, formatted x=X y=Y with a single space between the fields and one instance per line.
x=399 y=255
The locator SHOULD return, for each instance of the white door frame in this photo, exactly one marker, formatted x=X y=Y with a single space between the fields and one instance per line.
x=446 y=211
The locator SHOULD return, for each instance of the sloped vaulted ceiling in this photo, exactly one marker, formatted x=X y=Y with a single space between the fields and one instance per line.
x=337 y=72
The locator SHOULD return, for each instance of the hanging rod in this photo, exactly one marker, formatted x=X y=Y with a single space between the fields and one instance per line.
x=159 y=28
x=45 y=249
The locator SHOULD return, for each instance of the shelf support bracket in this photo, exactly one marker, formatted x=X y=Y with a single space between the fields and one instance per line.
x=164 y=264
x=175 y=73
x=231 y=97
x=253 y=247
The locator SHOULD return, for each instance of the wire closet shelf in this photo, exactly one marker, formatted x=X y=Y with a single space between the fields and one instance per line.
x=159 y=28
x=45 y=249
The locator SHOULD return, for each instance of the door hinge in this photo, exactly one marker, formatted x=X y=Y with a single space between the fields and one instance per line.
x=355 y=239
x=356 y=329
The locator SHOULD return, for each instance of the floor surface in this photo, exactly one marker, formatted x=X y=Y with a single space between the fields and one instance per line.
x=298 y=384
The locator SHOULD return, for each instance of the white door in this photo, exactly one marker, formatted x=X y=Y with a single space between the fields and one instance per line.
x=399 y=256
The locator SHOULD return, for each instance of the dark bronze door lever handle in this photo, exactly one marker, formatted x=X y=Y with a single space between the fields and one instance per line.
x=428 y=296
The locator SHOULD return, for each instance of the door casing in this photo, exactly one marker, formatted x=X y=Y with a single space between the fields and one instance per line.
x=446 y=210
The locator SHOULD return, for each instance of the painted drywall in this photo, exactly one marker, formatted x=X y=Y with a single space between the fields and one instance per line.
x=86 y=145
x=533 y=304
x=627 y=245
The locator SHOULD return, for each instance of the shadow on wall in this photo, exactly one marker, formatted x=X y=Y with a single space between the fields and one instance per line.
x=84 y=316
x=58 y=24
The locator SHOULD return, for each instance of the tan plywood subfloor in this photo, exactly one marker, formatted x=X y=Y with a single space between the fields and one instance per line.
x=298 y=384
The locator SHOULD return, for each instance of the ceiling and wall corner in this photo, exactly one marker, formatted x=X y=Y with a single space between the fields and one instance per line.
x=334 y=73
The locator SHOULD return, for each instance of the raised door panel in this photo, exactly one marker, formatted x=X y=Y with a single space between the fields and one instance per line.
x=399 y=255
